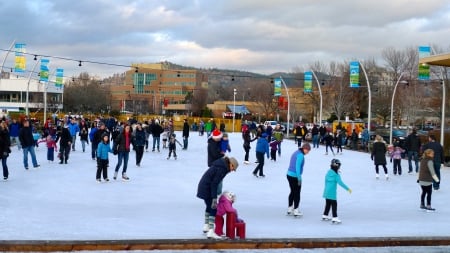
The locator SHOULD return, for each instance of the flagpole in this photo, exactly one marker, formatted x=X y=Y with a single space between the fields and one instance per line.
x=6 y=56
x=28 y=87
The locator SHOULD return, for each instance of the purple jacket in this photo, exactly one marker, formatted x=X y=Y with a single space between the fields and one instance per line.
x=225 y=206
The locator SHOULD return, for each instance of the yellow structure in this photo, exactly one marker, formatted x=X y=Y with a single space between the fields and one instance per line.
x=150 y=88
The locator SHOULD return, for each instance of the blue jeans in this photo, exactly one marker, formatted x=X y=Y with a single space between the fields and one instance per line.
x=315 y=140
x=156 y=141
x=30 y=150
x=122 y=156
x=437 y=170
x=412 y=154
x=279 y=148
x=5 y=167
x=74 y=138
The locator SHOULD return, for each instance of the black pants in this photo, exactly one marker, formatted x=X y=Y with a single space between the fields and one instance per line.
x=294 y=194
x=139 y=154
x=330 y=203
x=273 y=155
x=426 y=192
x=246 y=149
x=259 y=168
x=384 y=168
x=64 y=153
x=102 y=166
x=397 y=166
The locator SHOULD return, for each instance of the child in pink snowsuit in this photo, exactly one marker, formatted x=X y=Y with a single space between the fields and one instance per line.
x=225 y=205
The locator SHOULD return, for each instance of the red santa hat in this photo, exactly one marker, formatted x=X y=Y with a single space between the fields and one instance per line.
x=216 y=134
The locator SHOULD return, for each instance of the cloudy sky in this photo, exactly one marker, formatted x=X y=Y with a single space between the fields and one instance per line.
x=250 y=35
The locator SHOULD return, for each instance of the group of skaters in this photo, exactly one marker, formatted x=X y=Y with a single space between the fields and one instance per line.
x=105 y=135
x=268 y=143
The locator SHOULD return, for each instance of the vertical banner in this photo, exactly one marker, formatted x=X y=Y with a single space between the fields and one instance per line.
x=20 y=60
x=424 y=69
x=354 y=74
x=277 y=87
x=59 y=78
x=43 y=74
x=280 y=102
x=307 y=86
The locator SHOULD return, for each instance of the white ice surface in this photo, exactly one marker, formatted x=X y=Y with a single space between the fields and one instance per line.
x=64 y=202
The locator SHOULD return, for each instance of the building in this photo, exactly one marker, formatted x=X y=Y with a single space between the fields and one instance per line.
x=13 y=95
x=157 y=89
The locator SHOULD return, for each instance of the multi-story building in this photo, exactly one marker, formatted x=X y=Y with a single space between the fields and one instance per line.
x=13 y=95
x=156 y=88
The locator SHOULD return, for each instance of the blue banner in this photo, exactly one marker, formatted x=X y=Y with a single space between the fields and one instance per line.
x=354 y=74
x=59 y=78
x=277 y=87
x=424 y=69
x=307 y=86
x=20 y=60
x=43 y=74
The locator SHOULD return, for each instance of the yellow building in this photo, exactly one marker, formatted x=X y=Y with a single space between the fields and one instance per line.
x=152 y=88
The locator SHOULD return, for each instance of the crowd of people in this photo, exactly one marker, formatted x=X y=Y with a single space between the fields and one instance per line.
x=111 y=137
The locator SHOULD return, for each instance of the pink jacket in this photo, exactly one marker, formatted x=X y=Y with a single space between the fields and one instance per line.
x=225 y=205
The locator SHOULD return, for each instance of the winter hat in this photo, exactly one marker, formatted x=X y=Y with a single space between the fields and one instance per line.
x=216 y=134
x=224 y=135
x=306 y=146
x=234 y=162
x=229 y=195
x=264 y=135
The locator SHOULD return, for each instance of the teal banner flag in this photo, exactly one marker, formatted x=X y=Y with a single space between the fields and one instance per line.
x=424 y=69
x=354 y=74
x=307 y=86
x=59 y=78
x=43 y=74
x=277 y=87
x=20 y=60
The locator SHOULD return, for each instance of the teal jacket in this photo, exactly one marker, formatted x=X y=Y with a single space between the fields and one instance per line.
x=332 y=179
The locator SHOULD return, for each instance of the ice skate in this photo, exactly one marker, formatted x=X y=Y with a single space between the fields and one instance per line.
x=297 y=213
x=205 y=228
x=387 y=177
x=290 y=210
x=377 y=176
x=115 y=175
x=125 y=177
x=212 y=235
x=429 y=209
x=326 y=218
x=336 y=220
x=246 y=162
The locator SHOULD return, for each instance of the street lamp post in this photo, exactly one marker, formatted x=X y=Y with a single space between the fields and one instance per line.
x=321 y=99
x=392 y=107
x=234 y=106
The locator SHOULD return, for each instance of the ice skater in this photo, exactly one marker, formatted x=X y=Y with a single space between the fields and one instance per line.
x=378 y=156
x=225 y=206
x=172 y=146
x=332 y=179
x=426 y=177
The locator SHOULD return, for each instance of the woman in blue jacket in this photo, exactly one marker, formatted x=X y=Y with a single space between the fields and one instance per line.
x=262 y=147
x=332 y=179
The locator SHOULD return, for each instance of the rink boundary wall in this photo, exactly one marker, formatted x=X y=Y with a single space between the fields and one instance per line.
x=199 y=244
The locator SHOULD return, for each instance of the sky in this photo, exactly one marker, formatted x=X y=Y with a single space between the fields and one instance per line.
x=64 y=202
x=248 y=35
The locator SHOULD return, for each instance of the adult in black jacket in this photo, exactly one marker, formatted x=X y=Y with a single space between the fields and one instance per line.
x=185 y=134
x=438 y=157
x=27 y=142
x=379 y=155
x=412 y=145
x=5 y=150
x=207 y=189
x=214 y=151
x=65 y=140
x=122 y=148
x=156 y=130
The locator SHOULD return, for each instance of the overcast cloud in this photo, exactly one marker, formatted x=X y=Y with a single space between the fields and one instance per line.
x=250 y=35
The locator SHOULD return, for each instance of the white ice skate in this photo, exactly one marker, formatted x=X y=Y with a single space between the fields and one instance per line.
x=297 y=213
x=335 y=220
x=290 y=210
x=326 y=218
x=212 y=235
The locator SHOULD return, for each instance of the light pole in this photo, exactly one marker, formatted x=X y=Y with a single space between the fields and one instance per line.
x=288 y=117
x=392 y=107
x=234 y=106
x=321 y=99
x=369 y=110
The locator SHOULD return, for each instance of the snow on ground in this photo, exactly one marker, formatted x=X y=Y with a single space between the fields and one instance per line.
x=64 y=202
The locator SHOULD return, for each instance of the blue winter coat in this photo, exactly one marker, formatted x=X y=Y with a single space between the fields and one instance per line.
x=102 y=150
x=207 y=187
x=332 y=179
x=262 y=146
x=296 y=164
x=73 y=128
